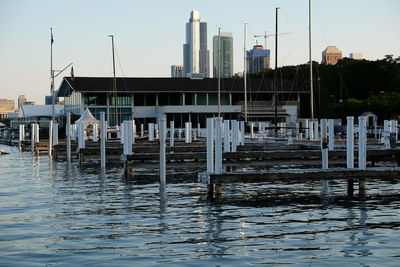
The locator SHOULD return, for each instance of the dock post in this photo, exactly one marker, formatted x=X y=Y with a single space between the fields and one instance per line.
x=362 y=143
x=122 y=132
x=227 y=144
x=305 y=127
x=311 y=130
x=103 y=136
x=163 y=131
x=324 y=144
x=50 y=144
x=218 y=145
x=331 y=132
x=252 y=130
x=386 y=133
x=141 y=130
x=235 y=130
x=55 y=133
x=198 y=130
x=316 y=132
x=350 y=142
x=151 y=131
x=259 y=129
x=186 y=132
x=210 y=152
x=242 y=133
x=21 y=135
x=73 y=130
x=171 y=133
x=37 y=133
x=33 y=137
x=68 y=129
x=157 y=131
x=361 y=187
x=95 y=137
x=81 y=136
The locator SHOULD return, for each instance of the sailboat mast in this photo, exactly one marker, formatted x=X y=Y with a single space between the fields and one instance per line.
x=53 y=96
x=245 y=73
x=114 y=81
x=276 y=74
x=219 y=71
x=311 y=71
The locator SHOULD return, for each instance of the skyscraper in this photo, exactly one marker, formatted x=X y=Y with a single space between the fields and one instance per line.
x=258 y=59
x=196 y=57
x=331 y=55
x=223 y=54
x=176 y=71
x=21 y=100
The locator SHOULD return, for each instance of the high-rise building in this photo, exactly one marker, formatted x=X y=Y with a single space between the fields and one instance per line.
x=196 y=57
x=331 y=55
x=258 y=59
x=223 y=55
x=357 y=56
x=21 y=100
x=6 y=106
x=176 y=71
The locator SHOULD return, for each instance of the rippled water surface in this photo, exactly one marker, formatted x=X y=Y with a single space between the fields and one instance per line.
x=55 y=214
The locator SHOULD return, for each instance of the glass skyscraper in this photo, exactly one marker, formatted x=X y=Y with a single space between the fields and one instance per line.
x=223 y=55
x=196 y=57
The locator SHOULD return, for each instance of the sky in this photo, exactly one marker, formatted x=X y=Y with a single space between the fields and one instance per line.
x=149 y=35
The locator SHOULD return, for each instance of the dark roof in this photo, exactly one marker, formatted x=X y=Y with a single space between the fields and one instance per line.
x=105 y=84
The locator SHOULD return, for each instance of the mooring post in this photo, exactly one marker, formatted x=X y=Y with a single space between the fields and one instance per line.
x=331 y=131
x=73 y=131
x=162 y=137
x=386 y=133
x=242 y=133
x=350 y=142
x=311 y=130
x=187 y=140
x=33 y=131
x=151 y=131
x=68 y=129
x=252 y=130
x=157 y=131
x=122 y=132
x=316 y=130
x=235 y=130
x=171 y=133
x=362 y=143
x=95 y=137
x=141 y=130
x=218 y=145
x=55 y=133
x=21 y=135
x=81 y=135
x=324 y=143
x=259 y=129
x=227 y=144
x=305 y=127
x=50 y=144
x=37 y=133
x=210 y=152
x=103 y=137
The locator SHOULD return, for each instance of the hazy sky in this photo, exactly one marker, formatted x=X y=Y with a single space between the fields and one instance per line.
x=149 y=35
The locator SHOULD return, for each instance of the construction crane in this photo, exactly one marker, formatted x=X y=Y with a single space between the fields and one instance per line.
x=265 y=35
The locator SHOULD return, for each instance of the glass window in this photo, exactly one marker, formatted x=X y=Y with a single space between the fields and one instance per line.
x=163 y=99
x=201 y=99
x=139 y=99
x=151 y=99
x=213 y=99
x=175 y=99
x=189 y=98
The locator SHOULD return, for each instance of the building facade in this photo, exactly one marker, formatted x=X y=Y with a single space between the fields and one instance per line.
x=6 y=106
x=223 y=55
x=21 y=100
x=331 y=55
x=357 y=56
x=176 y=71
x=258 y=59
x=196 y=57
x=178 y=99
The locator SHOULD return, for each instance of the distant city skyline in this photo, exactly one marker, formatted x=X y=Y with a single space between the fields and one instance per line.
x=149 y=35
x=223 y=55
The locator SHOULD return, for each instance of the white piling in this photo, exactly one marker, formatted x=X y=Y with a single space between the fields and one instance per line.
x=350 y=142
x=95 y=133
x=21 y=134
x=50 y=138
x=163 y=133
x=260 y=129
x=122 y=132
x=305 y=126
x=103 y=137
x=127 y=136
x=81 y=135
x=151 y=131
x=157 y=131
x=316 y=130
x=252 y=130
x=311 y=130
x=218 y=145
x=55 y=133
x=242 y=133
x=73 y=132
x=68 y=129
x=171 y=133
x=187 y=129
x=362 y=143
x=227 y=142
x=141 y=130
x=210 y=145
x=33 y=131
x=133 y=131
x=235 y=135
x=324 y=143
x=37 y=133
x=198 y=130
x=331 y=132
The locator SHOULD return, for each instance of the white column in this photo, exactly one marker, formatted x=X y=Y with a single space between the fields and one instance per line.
x=235 y=135
x=242 y=132
x=50 y=138
x=350 y=142
x=227 y=144
x=95 y=133
x=68 y=129
x=260 y=129
x=73 y=132
x=331 y=131
x=37 y=133
x=198 y=130
x=151 y=131
x=133 y=131
x=122 y=132
x=362 y=143
x=55 y=133
x=252 y=130
x=33 y=132
x=171 y=133
x=324 y=143
x=103 y=137
x=81 y=136
x=210 y=145
x=157 y=131
x=127 y=136
x=218 y=145
x=190 y=132
x=163 y=133
x=141 y=130
x=316 y=131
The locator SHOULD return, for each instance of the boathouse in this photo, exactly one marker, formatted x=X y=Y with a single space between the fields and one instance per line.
x=180 y=99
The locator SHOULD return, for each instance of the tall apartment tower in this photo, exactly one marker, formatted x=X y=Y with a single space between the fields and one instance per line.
x=258 y=59
x=21 y=100
x=176 y=71
x=331 y=55
x=196 y=57
x=223 y=55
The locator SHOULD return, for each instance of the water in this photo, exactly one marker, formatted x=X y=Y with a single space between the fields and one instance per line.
x=52 y=214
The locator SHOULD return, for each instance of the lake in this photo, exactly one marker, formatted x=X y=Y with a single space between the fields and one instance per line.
x=59 y=214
